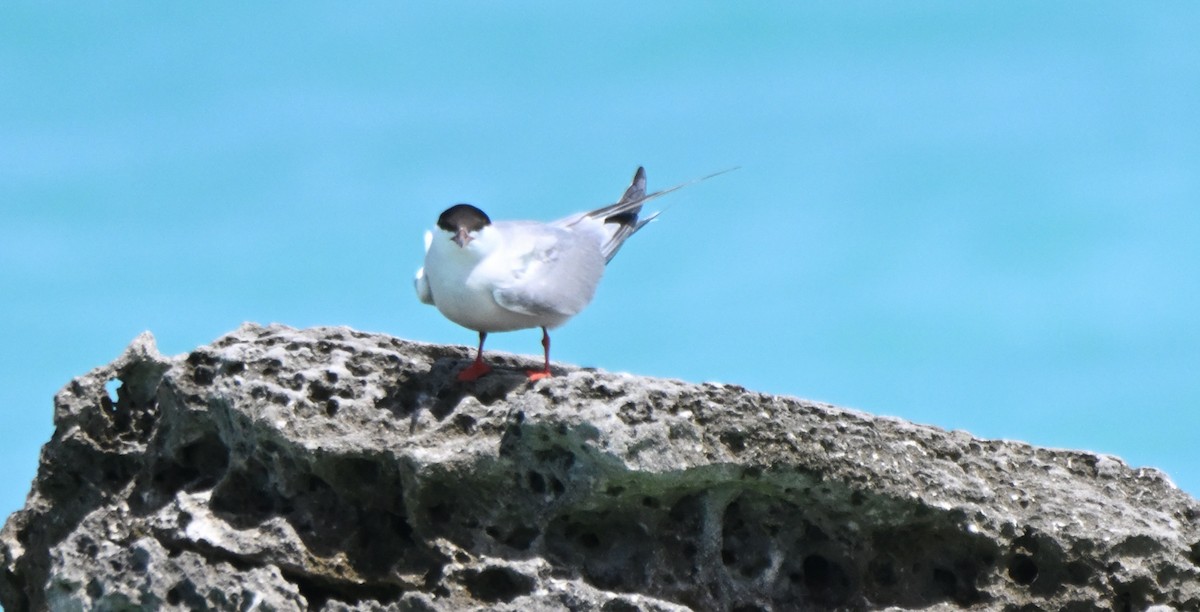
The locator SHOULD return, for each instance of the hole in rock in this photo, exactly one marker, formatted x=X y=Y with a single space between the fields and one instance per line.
x=318 y=591
x=958 y=588
x=745 y=534
x=198 y=466
x=826 y=581
x=1078 y=573
x=857 y=498
x=465 y=423
x=537 y=484
x=1132 y=597
x=589 y=540
x=381 y=541
x=688 y=511
x=112 y=388
x=1032 y=608
x=1022 y=569
x=882 y=572
x=1028 y=542
x=244 y=496
x=203 y=375
x=612 y=551
x=319 y=392
x=498 y=584
x=944 y=582
x=747 y=608
x=440 y=513
x=521 y=538
x=734 y=441
x=620 y=605
x=1194 y=554
x=184 y=594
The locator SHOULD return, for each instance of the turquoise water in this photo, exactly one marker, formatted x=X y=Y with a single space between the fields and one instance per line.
x=974 y=216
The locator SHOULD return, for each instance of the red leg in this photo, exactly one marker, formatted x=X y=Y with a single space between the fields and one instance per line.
x=544 y=372
x=478 y=367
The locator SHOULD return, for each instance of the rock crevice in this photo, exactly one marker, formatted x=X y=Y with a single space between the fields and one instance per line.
x=331 y=469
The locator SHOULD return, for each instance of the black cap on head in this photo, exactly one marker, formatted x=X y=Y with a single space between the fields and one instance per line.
x=463 y=217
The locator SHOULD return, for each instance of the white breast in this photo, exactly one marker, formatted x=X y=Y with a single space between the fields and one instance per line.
x=463 y=281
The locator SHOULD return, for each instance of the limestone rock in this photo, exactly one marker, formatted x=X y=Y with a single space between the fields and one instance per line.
x=328 y=469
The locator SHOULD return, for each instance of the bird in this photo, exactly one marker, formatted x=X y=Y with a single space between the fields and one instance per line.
x=498 y=276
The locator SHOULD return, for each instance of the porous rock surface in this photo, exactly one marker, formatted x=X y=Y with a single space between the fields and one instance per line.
x=329 y=469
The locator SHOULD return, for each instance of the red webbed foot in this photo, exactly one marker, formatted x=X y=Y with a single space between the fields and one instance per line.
x=536 y=375
x=474 y=371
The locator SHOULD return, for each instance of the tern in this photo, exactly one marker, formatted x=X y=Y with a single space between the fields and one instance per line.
x=498 y=276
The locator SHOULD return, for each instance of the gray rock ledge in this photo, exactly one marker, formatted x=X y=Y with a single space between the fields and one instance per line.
x=329 y=469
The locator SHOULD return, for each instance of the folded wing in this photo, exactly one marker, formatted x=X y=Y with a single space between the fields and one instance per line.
x=557 y=273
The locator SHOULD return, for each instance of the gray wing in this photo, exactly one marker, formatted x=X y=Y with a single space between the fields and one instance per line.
x=558 y=272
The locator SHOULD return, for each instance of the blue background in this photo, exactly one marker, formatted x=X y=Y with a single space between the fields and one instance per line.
x=974 y=215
